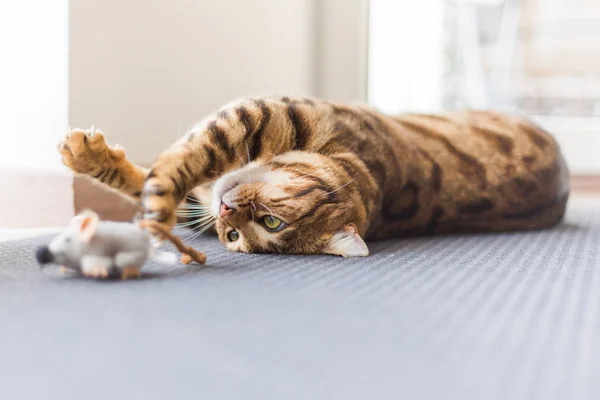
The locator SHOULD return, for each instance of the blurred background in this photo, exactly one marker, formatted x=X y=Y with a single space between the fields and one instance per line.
x=144 y=70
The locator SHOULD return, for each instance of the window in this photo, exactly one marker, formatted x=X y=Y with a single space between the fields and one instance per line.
x=536 y=57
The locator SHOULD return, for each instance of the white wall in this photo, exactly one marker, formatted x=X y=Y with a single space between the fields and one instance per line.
x=33 y=81
x=143 y=70
x=342 y=49
x=36 y=189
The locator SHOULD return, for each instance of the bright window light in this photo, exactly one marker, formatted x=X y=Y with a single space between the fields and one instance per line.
x=406 y=55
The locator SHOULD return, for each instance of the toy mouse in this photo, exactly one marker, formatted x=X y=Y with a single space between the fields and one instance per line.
x=106 y=249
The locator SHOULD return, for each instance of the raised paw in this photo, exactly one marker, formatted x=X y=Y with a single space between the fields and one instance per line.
x=159 y=201
x=86 y=152
x=96 y=271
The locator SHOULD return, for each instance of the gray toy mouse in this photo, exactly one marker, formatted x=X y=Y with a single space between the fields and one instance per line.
x=102 y=249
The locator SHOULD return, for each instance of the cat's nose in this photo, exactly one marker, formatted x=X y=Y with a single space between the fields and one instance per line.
x=226 y=210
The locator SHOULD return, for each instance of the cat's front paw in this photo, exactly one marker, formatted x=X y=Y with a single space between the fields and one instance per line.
x=86 y=152
x=159 y=201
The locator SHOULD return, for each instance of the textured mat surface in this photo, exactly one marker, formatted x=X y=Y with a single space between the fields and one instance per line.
x=507 y=316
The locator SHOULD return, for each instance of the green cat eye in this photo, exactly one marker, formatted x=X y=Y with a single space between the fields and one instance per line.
x=232 y=236
x=272 y=223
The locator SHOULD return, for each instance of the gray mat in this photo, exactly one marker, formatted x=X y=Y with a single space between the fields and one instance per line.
x=506 y=316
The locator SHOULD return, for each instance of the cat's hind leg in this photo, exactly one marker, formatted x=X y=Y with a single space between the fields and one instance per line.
x=86 y=152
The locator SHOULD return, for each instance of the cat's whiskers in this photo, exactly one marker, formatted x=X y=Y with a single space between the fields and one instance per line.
x=194 y=221
x=307 y=174
x=201 y=225
x=194 y=206
x=192 y=210
x=341 y=187
x=277 y=248
x=268 y=209
x=203 y=229
x=253 y=210
x=193 y=199
x=192 y=215
x=247 y=150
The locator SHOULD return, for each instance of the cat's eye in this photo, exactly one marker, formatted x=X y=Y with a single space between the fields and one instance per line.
x=232 y=236
x=272 y=223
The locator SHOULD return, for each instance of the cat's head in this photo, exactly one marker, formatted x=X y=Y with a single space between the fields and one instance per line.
x=295 y=203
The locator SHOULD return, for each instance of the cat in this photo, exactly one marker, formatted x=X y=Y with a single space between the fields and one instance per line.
x=302 y=175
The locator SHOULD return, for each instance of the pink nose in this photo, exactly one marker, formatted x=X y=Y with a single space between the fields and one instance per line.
x=226 y=210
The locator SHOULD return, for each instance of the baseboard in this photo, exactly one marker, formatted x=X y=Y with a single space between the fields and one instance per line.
x=34 y=198
x=585 y=184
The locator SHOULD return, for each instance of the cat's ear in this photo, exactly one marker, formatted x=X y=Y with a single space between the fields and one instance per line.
x=85 y=223
x=347 y=243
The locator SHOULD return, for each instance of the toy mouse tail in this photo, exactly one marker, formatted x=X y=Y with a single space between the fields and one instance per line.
x=164 y=257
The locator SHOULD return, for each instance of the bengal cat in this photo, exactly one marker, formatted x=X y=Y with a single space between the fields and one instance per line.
x=300 y=175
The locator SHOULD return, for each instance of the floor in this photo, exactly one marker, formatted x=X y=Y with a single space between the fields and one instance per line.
x=496 y=316
x=33 y=198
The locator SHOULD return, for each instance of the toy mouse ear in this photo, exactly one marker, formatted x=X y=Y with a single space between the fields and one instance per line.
x=347 y=243
x=85 y=223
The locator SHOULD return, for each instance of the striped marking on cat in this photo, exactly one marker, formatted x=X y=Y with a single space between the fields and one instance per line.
x=523 y=188
x=378 y=141
x=99 y=174
x=300 y=128
x=469 y=166
x=538 y=209
x=434 y=117
x=180 y=188
x=436 y=215
x=256 y=137
x=501 y=142
x=219 y=138
x=246 y=119
x=211 y=170
x=351 y=171
x=410 y=191
x=477 y=206
x=537 y=136
x=305 y=100
x=110 y=178
x=331 y=199
x=436 y=172
x=528 y=161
